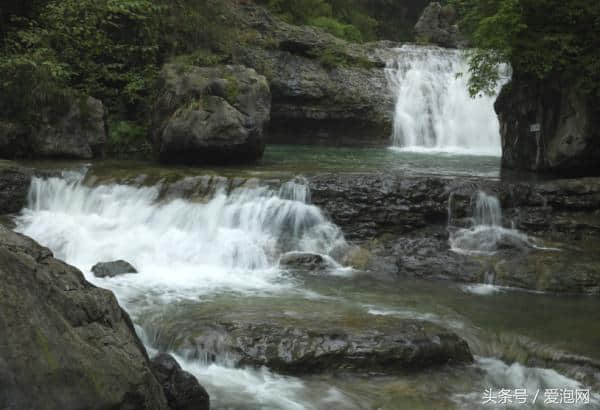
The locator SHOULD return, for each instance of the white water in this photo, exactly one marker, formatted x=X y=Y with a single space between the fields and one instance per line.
x=186 y=250
x=434 y=111
x=181 y=249
x=486 y=235
x=499 y=375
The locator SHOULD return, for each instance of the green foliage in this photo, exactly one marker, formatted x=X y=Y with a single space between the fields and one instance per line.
x=342 y=18
x=109 y=45
x=189 y=25
x=30 y=82
x=333 y=26
x=232 y=89
x=300 y=11
x=125 y=135
x=109 y=49
x=334 y=56
x=201 y=57
x=539 y=38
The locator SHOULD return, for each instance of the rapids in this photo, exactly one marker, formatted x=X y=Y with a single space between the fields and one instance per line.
x=218 y=259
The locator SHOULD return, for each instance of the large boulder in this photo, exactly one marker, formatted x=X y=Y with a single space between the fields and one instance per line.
x=211 y=114
x=182 y=390
x=548 y=126
x=399 y=346
x=66 y=344
x=438 y=25
x=73 y=128
x=325 y=90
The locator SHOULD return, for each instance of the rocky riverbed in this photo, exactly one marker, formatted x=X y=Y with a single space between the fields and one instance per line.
x=411 y=278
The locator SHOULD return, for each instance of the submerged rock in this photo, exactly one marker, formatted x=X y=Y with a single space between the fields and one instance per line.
x=431 y=258
x=66 y=344
x=211 y=114
x=182 y=390
x=409 y=344
x=303 y=260
x=112 y=269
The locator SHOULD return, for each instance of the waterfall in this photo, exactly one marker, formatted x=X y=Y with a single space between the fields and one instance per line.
x=181 y=247
x=486 y=234
x=434 y=111
x=487 y=210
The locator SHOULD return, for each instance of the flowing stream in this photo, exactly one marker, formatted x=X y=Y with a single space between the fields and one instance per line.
x=434 y=111
x=218 y=258
x=487 y=234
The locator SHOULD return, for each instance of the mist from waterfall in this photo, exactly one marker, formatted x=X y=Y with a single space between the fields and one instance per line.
x=434 y=111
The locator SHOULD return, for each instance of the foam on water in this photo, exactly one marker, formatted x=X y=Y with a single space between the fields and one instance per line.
x=486 y=235
x=181 y=249
x=434 y=111
x=500 y=375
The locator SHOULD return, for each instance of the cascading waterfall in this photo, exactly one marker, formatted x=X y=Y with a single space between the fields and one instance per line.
x=434 y=111
x=231 y=242
x=486 y=234
x=188 y=252
x=191 y=251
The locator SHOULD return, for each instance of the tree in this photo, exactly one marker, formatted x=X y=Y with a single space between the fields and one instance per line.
x=538 y=38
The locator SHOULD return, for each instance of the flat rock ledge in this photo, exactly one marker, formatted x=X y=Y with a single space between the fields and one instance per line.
x=409 y=345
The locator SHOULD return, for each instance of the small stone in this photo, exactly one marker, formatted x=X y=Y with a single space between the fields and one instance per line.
x=112 y=269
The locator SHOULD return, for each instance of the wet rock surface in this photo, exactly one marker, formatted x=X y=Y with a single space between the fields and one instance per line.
x=66 y=344
x=303 y=260
x=411 y=219
x=370 y=205
x=408 y=345
x=570 y=269
x=14 y=185
x=112 y=269
x=182 y=390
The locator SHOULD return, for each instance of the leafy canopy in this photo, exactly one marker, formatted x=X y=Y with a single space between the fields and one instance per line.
x=343 y=18
x=539 y=38
x=109 y=49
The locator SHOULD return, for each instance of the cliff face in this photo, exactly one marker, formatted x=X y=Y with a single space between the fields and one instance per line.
x=548 y=126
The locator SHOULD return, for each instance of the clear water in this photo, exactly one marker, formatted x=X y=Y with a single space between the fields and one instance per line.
x=219 y=261
x=287 y=161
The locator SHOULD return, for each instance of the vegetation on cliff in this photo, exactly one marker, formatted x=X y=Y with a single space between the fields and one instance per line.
x=541 y=39
x=109 y=49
